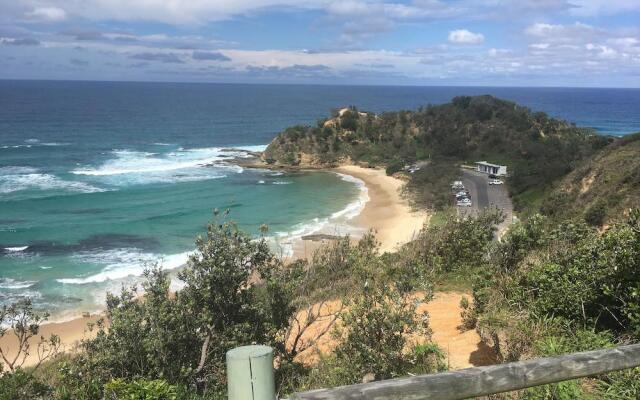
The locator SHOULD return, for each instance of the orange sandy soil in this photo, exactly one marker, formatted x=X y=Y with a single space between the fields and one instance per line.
x=70 y=334
x=463 y=349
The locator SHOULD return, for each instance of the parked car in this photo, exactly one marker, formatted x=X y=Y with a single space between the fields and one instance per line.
x=495 y=182
x=464 y=203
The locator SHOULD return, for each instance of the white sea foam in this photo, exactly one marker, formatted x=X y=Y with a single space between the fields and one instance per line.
x=282 y=182
x=33 y=142
x=129 y=167
x=8 y=283
x=54 y=144
x=16 y=249
x=123 y=263
x=16 y=146
x=14 y=179
x=137 y=167
x=17 y=170
x=254 y=148
x=337 y=222
x=355 y=208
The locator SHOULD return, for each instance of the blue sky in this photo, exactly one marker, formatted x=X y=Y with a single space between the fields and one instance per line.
x=413 y=42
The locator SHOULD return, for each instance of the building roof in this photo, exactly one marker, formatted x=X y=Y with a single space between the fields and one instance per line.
x=488 y=164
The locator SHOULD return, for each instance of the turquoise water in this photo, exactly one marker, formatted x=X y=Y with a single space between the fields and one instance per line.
x=99 y=179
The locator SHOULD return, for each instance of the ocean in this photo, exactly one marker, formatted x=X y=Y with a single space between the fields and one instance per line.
x=100 y=179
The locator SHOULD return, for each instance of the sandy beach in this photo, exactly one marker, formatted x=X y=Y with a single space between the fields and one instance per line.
x=70 y=333
x=386 y=212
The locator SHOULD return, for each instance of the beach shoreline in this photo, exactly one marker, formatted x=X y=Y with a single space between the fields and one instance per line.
x=385 y=211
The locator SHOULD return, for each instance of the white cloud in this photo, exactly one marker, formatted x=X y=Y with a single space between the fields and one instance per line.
x=546 y=48
x=493 y=52
x=591 y=8
x=47 y=14
x=362 y=19
x=463 y=36
x=577 y=32
x=539 y=46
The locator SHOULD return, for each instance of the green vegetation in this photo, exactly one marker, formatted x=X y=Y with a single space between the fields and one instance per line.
x=549 y=288
x=563 y=279
x=546 y=288
x=601 y=189
x=537 y=149
x=162 y=345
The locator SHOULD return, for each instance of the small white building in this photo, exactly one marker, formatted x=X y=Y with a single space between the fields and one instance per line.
x=491 y=169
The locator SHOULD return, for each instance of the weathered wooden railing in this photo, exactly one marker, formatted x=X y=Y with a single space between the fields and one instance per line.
x=482 y=381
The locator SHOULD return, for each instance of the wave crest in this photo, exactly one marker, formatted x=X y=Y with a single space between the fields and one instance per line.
x=131 y=167
x=337 y=221
x=9 y=283
x=123 y=263
x=15 y=179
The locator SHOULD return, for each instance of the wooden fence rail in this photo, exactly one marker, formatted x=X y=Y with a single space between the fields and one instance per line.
x=482 y=381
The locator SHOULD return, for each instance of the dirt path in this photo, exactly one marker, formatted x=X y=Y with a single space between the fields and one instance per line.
x=464 y=349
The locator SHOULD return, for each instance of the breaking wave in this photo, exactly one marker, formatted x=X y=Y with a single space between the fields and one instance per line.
x=338 y=221
x=15 y=179
x=8 y=283
x=122 y=263
x=16 y=249
x=182 y=165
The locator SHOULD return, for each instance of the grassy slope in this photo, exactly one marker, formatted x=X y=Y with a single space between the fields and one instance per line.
x=602 y=188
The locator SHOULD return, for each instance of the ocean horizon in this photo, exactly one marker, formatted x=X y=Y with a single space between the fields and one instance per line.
x=100 y=179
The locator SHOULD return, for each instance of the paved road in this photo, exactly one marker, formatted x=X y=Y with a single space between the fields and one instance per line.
x=484 y=195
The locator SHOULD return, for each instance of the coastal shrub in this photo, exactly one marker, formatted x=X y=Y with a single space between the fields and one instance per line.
x=594 y=281
x=394 y=166
x=429 y=187
x=234 y=294
x=376 y=327
x=22 y=323
x=373 y=334
x=21 y=384
x=374 y=339
x=458 y=244
x=596 y=213
x=550 y=289
x=349 y=120
x=140 y=389
x=337 y=269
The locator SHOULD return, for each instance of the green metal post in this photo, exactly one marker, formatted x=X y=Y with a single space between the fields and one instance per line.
x=250 y=373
